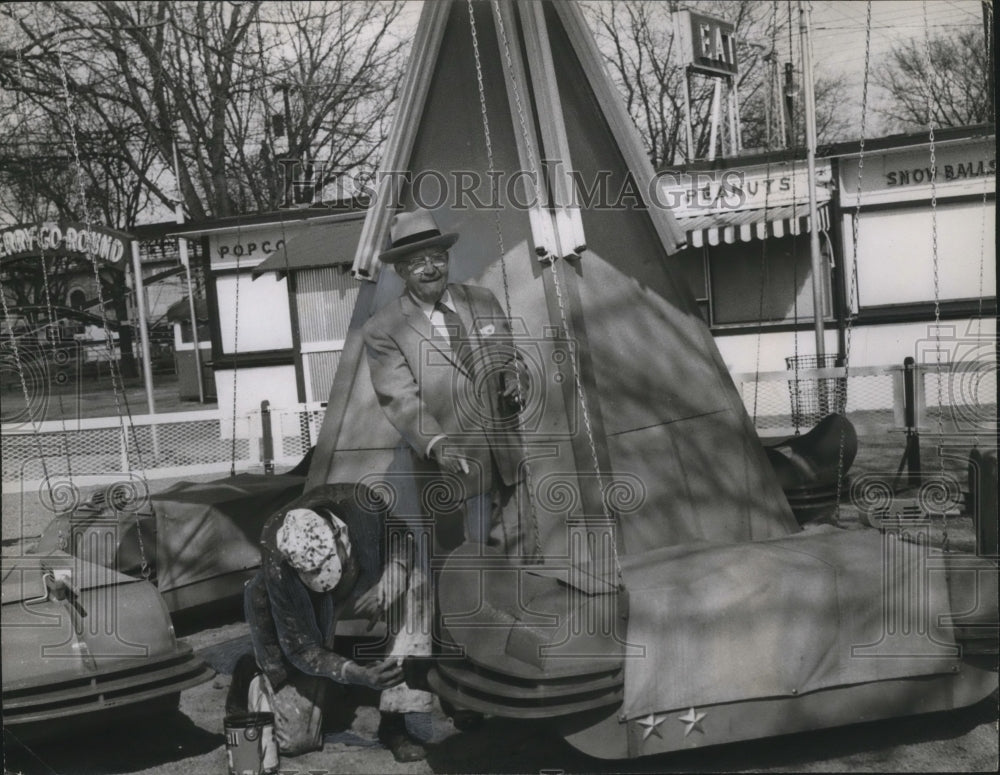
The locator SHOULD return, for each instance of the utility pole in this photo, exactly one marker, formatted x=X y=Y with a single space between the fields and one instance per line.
x=674 y=45
x=991 y=58
x=788 y=116
x=182 y=247
x=810 y=111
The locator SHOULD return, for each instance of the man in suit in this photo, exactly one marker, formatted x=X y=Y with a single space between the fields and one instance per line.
x=449 y=379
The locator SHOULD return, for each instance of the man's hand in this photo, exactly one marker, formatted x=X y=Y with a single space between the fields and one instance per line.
x=378 y=675
x=514 y=385
x=447 y=461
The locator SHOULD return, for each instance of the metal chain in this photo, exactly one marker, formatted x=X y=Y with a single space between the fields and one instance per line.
x=982 y=233
x=13 y=339
x=24 y=388
x=144 y=567
x=113 y=367
x=521 y=113
x=797 y=415
x=236 y=350
x=763 y=242
x=50 y=312
x=528 y=479
x=581 y=393
x=582 y=397
x=934 y=263
x=853 y=280
x=117 y=383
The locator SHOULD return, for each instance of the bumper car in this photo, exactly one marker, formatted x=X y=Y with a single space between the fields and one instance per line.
x=196 y=541
x=82 y=641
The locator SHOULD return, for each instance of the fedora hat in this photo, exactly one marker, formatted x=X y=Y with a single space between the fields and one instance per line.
x=412 y=231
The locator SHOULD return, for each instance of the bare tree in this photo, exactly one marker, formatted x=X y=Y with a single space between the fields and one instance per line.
x=944 y=81
x=637 y=40
x=209 y=78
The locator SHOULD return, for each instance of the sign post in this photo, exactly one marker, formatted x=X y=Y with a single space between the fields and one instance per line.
x=817 y=259
x=708 y=45
x=147 y=364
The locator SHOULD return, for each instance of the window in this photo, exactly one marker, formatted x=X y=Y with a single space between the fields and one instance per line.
x=769 y=282
x=689 y=267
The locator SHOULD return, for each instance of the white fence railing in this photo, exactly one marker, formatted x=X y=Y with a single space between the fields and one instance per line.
x=952 y=397
x=155 y=446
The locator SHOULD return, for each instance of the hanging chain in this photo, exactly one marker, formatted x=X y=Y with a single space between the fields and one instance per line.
x=24 y=389
x=236 y=351
x=763 y=242
x=144 y=567
x=17 y=354
x=536 y=550
x=117 y=383
x=853 y=280
x=934 y=263
x=585 y=413
x=50 y=311
x=112 y=364
x=521 y=112
x=529 y=147
x=988 y=7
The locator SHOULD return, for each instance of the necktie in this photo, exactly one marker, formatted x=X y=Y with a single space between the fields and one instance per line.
x=457 y=335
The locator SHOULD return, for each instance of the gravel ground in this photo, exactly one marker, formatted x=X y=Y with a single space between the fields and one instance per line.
x=190 y=740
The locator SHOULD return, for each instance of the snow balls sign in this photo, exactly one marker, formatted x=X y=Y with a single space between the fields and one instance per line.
x=64 y=239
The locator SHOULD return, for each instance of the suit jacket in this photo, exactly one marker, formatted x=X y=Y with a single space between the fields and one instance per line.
x=425 y=389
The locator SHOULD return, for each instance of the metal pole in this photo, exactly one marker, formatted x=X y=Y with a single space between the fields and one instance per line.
x=788 y=105
x=147 y=362
x=735 y=125
x=186 y=262
x=689 y=131
x=814 y=252
x=688 y=125
x=714 y=129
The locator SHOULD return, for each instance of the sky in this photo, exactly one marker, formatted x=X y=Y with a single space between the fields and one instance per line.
x=838 y=30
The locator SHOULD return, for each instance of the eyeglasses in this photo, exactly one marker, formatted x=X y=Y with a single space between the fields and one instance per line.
x=418 y=264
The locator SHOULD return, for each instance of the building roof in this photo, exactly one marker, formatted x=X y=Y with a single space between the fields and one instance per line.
x=834 y=150
x=745 y=225
x=324 y=242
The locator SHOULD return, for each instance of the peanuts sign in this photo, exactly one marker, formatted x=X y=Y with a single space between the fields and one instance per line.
x=73 y=239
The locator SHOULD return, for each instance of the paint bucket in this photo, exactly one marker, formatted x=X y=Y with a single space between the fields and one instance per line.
x=250 y=744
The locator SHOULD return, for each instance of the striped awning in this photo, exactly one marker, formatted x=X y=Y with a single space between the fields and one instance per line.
x=746 y=225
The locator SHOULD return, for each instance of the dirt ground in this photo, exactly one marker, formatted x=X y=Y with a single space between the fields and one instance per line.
x=190 y=740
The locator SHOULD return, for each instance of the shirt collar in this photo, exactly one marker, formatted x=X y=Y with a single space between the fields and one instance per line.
x=428 y=308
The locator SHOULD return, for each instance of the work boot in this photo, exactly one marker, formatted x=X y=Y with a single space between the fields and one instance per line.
x=392 y=733
x=462 y=720
x=239 y=689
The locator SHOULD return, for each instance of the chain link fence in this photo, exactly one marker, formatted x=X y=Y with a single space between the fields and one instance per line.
x=155 y=446
x=952 y=398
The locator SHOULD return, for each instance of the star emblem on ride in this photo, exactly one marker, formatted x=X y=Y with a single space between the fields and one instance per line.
x=693 y=720
x=650 y=724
